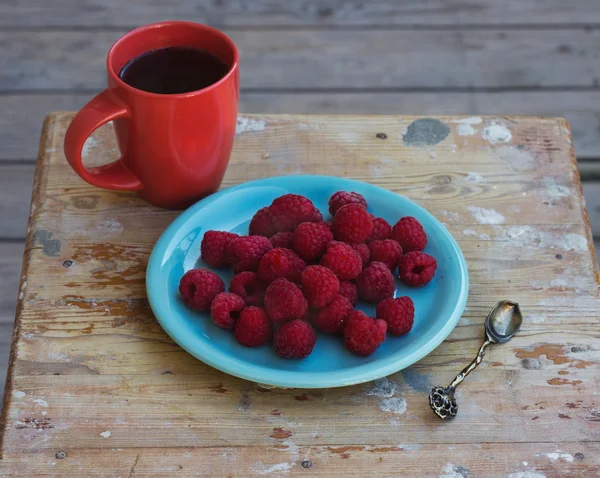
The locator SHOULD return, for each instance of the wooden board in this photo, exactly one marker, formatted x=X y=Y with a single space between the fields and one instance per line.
x=338 y=59
x=24 y=113
x=304 y=12
x=97 y=388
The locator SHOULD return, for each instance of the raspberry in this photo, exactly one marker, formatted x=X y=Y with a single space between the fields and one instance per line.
x=261 y=223
x=248 y=251
x=284 y=301
x=198 y=288
x=213 y=248
x=381 y=229
x=225 y=309
x=363 y=252
x=341 y=198
x=344 y=261
x=409 y=233
x=310 y=240
x=416 y=268
x=332 y=319
x=319 y=286
x=363 y=334
x=248 y=287
x=398 y=314
x=253 y=328
x=387 y=251
x=375 y=283
x=290 y=210
x=349 y=291
x=280 y=262
x=295 y=339
x=352 y=223
x=282 y=239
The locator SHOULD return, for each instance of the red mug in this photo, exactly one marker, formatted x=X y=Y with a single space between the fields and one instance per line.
x=174 y=147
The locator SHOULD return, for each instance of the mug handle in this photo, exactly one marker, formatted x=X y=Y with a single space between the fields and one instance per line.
x=103 y=108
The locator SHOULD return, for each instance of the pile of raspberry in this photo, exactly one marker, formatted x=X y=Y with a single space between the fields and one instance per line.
x=295 y=272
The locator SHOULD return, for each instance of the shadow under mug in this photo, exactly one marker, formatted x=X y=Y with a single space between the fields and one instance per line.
x=174 y=147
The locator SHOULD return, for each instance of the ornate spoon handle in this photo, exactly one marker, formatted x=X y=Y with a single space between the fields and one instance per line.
x=442 y=400
x=469 y=368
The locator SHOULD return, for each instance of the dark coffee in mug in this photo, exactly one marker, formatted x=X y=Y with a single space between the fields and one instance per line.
x=173 y=70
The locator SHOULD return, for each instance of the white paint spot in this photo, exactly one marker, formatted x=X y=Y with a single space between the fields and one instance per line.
x=382 y=167
x=475 y=178
x=526 y=474
x=553 y=189
x=525 y=463
x=44 y=412
x=453 y=471
x=469 y=120
x=382 y=388
x=523 y=235
x=432 y=154
x=247 y=125
x=496 y=133
x=50 y=150
x=18 y=394
x=576 y=242
x=105 y=434
x=518 y=159
x=465 y=130
x=27 y=336
x=111 y=226
x=58 y=356
x=349 y=136
x=263 y=469
x=40 y=401
x=471 y=232
x=312 y=126
x=560 y=456
x=89 y=144
x=450 y=216
x=393 y=405
x=486 y=216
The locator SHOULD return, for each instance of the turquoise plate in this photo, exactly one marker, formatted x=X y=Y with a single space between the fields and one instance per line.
x=438 y=305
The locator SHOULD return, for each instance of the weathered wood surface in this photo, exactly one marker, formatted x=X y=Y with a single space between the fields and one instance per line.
x=93 y=374
x=338 y=59
x=23 y=113
x=300 y=13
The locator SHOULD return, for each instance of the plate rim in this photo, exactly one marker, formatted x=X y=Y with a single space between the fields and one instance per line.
x=280 y=379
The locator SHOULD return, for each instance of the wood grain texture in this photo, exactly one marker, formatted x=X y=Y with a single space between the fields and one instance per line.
x=94 y=375
x=304 y=12
x=322 y=59
x=23 y=114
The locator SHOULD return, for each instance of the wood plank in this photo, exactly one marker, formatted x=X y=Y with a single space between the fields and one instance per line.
x=24 y=114
x=323 y=59
x=15 y=183
x=334 y=12
x=279 y=459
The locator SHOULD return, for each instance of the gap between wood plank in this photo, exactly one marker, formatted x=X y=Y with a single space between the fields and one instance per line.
x=338 y=90
x=298 y=28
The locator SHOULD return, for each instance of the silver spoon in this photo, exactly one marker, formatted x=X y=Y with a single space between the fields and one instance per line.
x=502 y=323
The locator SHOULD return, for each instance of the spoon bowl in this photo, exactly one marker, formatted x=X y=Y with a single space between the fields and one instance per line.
x=503 y=321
